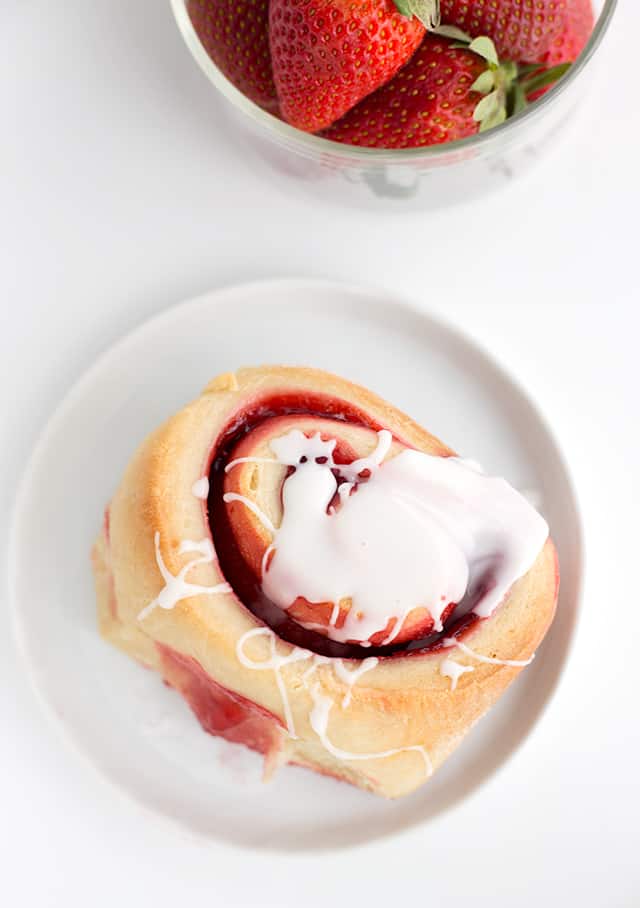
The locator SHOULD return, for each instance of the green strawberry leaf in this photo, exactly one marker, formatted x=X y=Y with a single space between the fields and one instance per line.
x=509 y=71
x=495 y=119
x=485 y=82
x=491 y=110
x=427 y=11
x=518 y=100
x=505 y=86
x=453 y=32
x=487 y=107
x=525 y=68
x=486 y=49
x=404 y=8
x=545 y=78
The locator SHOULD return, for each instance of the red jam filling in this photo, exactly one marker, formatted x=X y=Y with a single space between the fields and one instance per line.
x=220 y=711
x=246 y=584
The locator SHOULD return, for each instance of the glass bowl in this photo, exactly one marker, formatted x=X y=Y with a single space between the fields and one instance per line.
x=423 y=177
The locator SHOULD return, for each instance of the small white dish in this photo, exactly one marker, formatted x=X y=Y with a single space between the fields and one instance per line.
x=139 y=734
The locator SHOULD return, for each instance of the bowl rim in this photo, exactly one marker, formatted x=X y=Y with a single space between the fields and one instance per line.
x=310 y=145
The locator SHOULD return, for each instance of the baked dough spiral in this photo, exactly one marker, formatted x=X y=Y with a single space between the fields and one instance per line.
x=203 y=517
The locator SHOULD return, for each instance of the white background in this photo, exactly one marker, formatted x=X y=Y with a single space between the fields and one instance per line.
x=123 y=189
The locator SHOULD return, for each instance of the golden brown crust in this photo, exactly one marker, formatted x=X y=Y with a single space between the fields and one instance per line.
x=401 y=702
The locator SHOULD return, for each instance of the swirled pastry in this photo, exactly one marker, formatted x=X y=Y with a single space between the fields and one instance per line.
x=322 y=579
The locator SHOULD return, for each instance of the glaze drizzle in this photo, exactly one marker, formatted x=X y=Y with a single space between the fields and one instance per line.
x=176 y=588
x=489 y=660
x=421 y=533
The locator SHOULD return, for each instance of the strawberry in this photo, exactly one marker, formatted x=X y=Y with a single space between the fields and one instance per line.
x=568 y=46
x=451 y=88
x=577 y=31
x=523 y=30
x=236 y=37
x=329 y=54
x=433 y=99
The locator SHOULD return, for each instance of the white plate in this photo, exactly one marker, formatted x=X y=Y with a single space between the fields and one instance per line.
x=138 y=733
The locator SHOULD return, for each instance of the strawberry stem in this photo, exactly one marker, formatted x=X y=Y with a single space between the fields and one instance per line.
x=506 y=87
x=518 y=99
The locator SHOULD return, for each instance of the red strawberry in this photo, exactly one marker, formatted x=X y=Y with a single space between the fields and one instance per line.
x=523 y=30
x=431 y=100
x=235 y=34
x=329 y=54
x=568 y=46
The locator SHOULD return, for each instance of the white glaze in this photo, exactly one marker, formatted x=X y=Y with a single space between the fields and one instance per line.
x=443 y=514
x=262 y=517
x=273 y=663
x=461 y=526
x=490 y=660
x=397 y=627
x=265 y=558
x=200 y=488
x=176 y=588
x=319 y=715
x=372 y=461
x=351 y=675
x=290 y=448
x=319 y=719
x=453 y=670
x=234 y=463
x=315 y=662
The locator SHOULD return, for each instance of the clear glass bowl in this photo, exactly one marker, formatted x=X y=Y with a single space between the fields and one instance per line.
x=422 y=177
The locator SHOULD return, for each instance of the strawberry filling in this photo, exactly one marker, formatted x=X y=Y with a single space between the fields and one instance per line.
x=220 y=711
x=226 y=714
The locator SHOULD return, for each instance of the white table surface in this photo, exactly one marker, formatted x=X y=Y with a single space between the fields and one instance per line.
x=122 y=191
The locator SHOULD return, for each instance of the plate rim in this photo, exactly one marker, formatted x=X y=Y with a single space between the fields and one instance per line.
x=258 y=289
